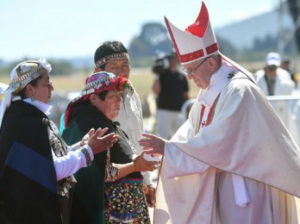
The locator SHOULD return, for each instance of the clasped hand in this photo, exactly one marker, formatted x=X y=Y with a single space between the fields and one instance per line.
x=97 y=141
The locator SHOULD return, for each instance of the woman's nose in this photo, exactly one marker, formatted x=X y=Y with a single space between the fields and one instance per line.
x=51 y=86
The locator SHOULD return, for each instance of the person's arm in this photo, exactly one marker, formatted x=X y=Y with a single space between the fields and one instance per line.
x=180 y=163
x=75 y=146
x=69 y=164
x=118 y=171
x=92 y=143
x=156 y=86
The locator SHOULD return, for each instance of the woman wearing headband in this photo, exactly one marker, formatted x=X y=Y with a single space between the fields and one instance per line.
x=36 y=165
x=115 y=177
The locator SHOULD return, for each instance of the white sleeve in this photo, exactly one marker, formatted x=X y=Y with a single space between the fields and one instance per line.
x=74 y=146
x=178 y=163
x=69 y=164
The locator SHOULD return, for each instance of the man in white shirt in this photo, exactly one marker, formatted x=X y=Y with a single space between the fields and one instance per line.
x=232 y=161
x=274 y=80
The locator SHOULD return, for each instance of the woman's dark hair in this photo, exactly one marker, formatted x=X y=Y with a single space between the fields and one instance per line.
x=87 y=102
x=22 y=94
x=108 y=48
x=102 y=95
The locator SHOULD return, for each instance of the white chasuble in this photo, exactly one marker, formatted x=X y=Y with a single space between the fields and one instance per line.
x=245 y=138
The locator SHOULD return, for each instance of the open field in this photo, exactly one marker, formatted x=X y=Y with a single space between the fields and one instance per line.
x=142 y=80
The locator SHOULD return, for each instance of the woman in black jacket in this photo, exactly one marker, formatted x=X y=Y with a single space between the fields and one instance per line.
x=36 y=165
x=111 y=190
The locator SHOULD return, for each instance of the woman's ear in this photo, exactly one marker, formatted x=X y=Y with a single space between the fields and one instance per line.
x=29 y=91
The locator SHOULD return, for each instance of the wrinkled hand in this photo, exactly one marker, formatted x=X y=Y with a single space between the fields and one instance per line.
x=153 y=144
x=87 y=136
x=99 y=143
x=149 y=194
x=140 y=164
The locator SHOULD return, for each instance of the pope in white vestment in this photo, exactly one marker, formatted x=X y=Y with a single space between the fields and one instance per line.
x=233 y=161
x=245 y=138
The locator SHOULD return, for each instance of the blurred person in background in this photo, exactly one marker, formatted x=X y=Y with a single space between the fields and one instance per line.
x=171 y=88
x=286 y=65
x=36 y=165
x=111 y=190
x=273 y=80
x=112 y=56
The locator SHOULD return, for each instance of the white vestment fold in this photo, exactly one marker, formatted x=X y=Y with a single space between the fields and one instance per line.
x=245 y=138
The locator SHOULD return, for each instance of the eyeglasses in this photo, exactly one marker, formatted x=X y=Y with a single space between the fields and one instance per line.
x=193 y=70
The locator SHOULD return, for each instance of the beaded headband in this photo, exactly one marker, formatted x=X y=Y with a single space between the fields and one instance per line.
x=105 y=59
x=27 y=71
x=106 y=81
x=20 y=76
x=97 y=83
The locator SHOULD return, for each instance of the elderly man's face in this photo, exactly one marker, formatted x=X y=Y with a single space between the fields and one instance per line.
x=119 y=67
x=200 y=72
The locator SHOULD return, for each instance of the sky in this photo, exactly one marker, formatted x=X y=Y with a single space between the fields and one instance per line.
x=75 y=28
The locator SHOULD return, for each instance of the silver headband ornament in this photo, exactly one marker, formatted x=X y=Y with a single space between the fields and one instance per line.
x=105 y=59
x=27 y=71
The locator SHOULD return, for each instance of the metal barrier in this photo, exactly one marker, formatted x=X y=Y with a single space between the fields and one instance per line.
x=287 y=108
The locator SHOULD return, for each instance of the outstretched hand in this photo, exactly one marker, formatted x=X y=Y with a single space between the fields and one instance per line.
x=141 y=164
x=152 y=144
x=98 y=143
x=87 y=136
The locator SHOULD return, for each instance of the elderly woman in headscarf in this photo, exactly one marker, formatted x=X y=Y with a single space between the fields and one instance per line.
x=36 y=165
x=111 y=190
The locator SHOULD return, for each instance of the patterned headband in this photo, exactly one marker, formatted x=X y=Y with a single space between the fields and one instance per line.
x=102 y=79
x=97 y=83
x=27 y=71
x=105 y=59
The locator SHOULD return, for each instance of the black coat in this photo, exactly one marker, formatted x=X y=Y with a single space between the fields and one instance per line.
x=88 y=198
x=28 y=185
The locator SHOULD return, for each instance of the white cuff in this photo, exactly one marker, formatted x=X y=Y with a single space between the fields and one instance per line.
x=74 y=147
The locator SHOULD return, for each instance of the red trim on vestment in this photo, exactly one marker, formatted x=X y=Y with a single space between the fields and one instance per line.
x=201 y=117
x=207 y=122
